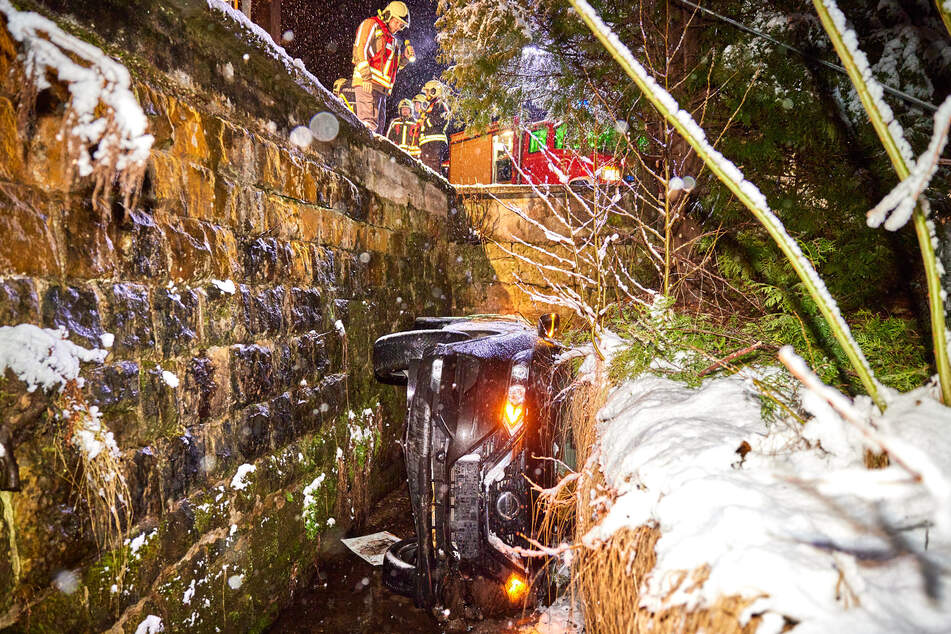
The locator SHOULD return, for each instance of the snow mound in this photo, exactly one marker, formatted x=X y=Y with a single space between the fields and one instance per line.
x=42 y=357
x=785 y=514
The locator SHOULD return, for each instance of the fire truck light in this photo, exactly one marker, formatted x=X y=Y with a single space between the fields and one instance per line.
x=611 y=173
x=515 y=588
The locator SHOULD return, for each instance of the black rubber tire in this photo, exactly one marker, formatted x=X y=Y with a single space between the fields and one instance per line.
x=391 y=353
x=435 y=323
x=399 y=567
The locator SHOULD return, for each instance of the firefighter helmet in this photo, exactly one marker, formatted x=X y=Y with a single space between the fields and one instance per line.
x=433 y=88
x=420 y=97
x=396 y=10
x=404 y=103
x=338 y=85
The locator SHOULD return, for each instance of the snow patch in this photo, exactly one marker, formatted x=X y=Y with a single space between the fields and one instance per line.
x=150 y=625
x=225 y=286
x=170 y=379
x=42 y=357
x=238 y=482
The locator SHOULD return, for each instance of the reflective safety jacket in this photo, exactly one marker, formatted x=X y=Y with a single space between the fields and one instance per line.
x=405 y=134
x=377 y=53
x=434 y=123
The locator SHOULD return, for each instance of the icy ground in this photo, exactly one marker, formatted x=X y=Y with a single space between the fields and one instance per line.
x=785 y=513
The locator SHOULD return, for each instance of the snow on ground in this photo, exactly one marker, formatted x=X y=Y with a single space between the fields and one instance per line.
x=798 y=523
x=42 y=357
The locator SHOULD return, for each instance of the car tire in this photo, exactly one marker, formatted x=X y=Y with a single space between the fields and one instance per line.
x=399 y=567
x=392 y=353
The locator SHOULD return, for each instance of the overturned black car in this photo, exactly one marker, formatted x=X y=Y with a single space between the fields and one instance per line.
x=484 y=402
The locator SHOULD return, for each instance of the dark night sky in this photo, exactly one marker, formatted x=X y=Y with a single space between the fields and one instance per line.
x=324 y=31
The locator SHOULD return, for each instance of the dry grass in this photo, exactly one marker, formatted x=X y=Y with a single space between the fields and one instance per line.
x=608 y=579
x=97 y=480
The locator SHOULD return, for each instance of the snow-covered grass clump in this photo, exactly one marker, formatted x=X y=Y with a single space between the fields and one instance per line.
x=102 y=112
x=785 y=515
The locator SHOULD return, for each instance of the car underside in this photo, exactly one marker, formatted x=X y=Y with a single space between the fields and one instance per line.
x=481 y=438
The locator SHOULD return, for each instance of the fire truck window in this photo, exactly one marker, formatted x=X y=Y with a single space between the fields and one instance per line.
x=560 y=132
x=539 y=139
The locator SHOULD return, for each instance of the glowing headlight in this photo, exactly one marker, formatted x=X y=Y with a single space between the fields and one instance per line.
x=611 y=173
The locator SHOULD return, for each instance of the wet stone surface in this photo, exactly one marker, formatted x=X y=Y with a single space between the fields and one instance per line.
x=177 y=320
x=18 y=302
x=130 y=318
x=77 y=310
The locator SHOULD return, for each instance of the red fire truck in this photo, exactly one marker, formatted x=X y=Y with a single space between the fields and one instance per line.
x=541 y=150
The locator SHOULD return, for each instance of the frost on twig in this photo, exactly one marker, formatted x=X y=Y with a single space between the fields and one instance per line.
x=104 y=128
x=896 y=208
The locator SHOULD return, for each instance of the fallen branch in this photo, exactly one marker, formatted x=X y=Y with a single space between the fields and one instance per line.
x=739 y=353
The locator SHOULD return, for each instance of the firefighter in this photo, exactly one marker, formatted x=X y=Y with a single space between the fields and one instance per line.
x=432 y=136
x=344 y=92
x=403 y=130
x=419 y=105
x=377 y=57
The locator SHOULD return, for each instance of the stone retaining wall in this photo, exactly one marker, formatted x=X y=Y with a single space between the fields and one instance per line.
x=351 y=231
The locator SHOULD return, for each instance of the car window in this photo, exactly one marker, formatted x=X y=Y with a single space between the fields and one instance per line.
x=538 y=139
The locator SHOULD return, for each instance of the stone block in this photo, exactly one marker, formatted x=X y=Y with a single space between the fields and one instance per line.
x=224 y=252
x=301 y=265
x=77 y=310
x=176 y=320
x=263 y=310
x=47 y=162
x=27 y=239
x=199 y=391
x=283 y=429
x=282 y=217
x=144 y=485
x=182 y=466
x=224 y=320
x=161 y=403
x=199 y=192
x=191 y=256
x=143 y=250
x=11 y=147
x=308 y=356
x=165 y=174
x=305 y=310
x=18 y=302
x=249 y=210
x=153 y=104
x=283 y=363
x=88 y=246
x=252 y=431
x=115 y=386
x=325 y=262
x=264 y=260
x=188 y=134
x=129 y=318
x=252 y=374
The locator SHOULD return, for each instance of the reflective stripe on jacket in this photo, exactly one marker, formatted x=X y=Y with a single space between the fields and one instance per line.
x=405 y=134
x=434 y=123
x=376 y=49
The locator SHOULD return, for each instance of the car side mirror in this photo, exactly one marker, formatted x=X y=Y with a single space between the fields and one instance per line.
x=548 y=325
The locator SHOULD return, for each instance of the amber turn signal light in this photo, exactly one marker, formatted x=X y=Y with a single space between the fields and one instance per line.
x=513 y=412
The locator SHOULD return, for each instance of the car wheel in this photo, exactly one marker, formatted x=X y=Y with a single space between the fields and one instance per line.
x=399 y=567
x=392 y=353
